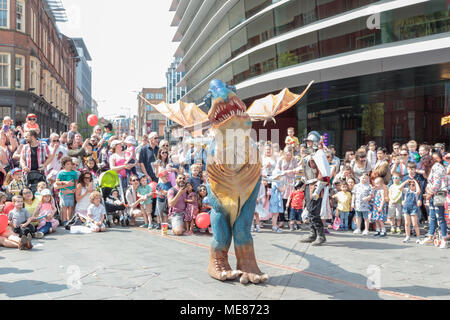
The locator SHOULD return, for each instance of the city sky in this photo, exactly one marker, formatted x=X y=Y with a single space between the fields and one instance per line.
x=130 y=44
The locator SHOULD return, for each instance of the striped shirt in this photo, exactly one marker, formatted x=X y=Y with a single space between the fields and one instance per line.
x=42 y=154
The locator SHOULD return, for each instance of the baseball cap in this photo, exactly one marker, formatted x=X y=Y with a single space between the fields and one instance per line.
x=31 y=115
x=15 y=170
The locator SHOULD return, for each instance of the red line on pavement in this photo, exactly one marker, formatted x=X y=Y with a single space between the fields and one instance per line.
x=307 y=273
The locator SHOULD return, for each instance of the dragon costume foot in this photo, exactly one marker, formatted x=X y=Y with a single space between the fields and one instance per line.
x=246 y=263
x=219 y=268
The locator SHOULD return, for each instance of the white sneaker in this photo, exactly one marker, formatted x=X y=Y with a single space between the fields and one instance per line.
x=419 y=240
x=406 y=239
x=365 y=233
x=252 y=229
x=443 y=245
x=357 y=231
x=258 y=228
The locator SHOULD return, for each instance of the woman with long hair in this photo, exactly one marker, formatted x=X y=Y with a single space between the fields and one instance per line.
x=361 y=165
x=436 y=183
x=288 y=166
x=162 y=160
x=85 y=187
x=117 y=162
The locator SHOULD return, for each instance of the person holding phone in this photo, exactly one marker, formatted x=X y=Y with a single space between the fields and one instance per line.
x=177 y=206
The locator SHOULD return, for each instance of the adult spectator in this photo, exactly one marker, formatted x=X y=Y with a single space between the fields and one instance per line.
x=396 y=147
x=381 y=168
x=400 y=160
x=64 y=139
x=336 y=161
x=6 y=152
x=107 y=135
x=268 y=162
x=177 y=206
x=60 y=151
x=35 y=154
x=84 y=189
x=117 y=162
x=138 y=151
x=360 y=165
x=162 y=161
x=73 y=130
x=147 y=157
x=97 y=131
x=31 y=124
x=436 y=180
x=196 y=154
x=132 y=200
x=77 y=140
x=288 y=166
x=85 y=151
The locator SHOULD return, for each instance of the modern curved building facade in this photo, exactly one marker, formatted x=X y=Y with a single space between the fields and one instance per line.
x=382 y=68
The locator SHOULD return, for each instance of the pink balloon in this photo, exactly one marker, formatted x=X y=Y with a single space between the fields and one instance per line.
x=203 y=220
x=3 y=223
x=92 y=120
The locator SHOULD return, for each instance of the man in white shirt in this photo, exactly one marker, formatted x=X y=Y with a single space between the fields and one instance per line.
x=55 y=166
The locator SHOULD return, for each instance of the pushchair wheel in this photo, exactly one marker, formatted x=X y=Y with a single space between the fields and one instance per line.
x=108 y=224
x=127 y=221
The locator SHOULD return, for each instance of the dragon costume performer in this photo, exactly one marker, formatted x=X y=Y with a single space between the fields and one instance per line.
x=234 y=170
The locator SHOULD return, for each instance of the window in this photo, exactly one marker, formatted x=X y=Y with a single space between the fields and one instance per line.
x=159 y=96
x=35 y=75
x=4 y=14
x=20 y=72
x=4 y=70
x=149 y=96
x=20 y=15
x=33 y=25
x=50 y=87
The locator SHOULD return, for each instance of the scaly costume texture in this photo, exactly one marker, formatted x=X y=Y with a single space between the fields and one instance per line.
x=234 y=171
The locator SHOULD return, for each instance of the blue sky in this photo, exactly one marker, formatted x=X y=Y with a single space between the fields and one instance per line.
x=130 y=43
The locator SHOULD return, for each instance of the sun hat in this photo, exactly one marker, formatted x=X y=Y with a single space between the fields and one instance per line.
x=31 y=115
x=130 y=140
x=115 y=143
x=163 y=173
x=46 y=192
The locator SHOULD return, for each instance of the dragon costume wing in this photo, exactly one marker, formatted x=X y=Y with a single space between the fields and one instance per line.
x=267 y=108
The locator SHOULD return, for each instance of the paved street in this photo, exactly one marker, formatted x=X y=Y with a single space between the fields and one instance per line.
x=131 y=263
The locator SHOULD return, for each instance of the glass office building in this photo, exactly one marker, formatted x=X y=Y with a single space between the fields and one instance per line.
x=381 y=68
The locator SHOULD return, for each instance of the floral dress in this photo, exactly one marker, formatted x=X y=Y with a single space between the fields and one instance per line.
x=378 y=216
x=191 y=208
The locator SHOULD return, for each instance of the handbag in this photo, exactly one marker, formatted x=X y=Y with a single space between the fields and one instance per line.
x=440 y=198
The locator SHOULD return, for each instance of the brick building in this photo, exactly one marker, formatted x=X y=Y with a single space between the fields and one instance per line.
x=149 y=119
x=37 y=64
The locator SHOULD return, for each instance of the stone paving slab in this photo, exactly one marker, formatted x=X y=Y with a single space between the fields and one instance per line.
x=132 y=263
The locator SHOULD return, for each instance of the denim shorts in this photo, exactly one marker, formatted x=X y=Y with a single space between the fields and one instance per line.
x=161 y=208
x=177 y=220
x=412 y=211
x=295 y=214
x=67 y=200
x=362 y=214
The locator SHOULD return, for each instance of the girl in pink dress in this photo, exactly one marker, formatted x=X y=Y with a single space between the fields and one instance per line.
x=191 y=209
x=46 y=210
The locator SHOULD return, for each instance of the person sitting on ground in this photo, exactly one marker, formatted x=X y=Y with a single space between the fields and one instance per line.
x=8 y=238
x=177 y=206
x=96 y=213
x=133 y=201
x=45 y=212
x=20 y=220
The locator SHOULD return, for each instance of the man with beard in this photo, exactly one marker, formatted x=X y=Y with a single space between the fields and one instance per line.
x=60 y=151
x=35 y=155
x=177 y=205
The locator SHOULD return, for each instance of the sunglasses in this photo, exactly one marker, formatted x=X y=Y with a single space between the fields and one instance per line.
x=396 y=178
x=28 y=192
x=164 y=153
x=404 y=154
x=134 y=180
x=33 y=119
x=55 y=141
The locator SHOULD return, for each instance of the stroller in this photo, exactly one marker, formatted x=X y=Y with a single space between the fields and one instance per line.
x=110 y=181
x=33 y=178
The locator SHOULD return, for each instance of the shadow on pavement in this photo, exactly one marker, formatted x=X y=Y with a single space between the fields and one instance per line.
x=29 y=287
x=373 y=245
x=13 y=270
x=322 y=267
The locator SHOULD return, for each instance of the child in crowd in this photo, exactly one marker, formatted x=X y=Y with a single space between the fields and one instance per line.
x=372 y=153
x=378 y=212
x=65 y=183
x=195 y=180
x=191 y=209
x=16 y=185
x=395 y=203
x=45 y=212
x=39 y=188
x=145 y=191
x=91 y=166
x=204 y=203
x=20 y=219
x=276 y=204
x=162 y=209
x=31 y=123
x=362 y=194
x=344 y=198
x=96 y=213
x=296 y=202
x=412 y=201
x=130 y=154
x=113 y=199
x=291 y=139
x=262 y=206
x=413 y=154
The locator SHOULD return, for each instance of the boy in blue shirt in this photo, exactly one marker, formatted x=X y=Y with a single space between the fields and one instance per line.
x=162 y=209
x=66 y=182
